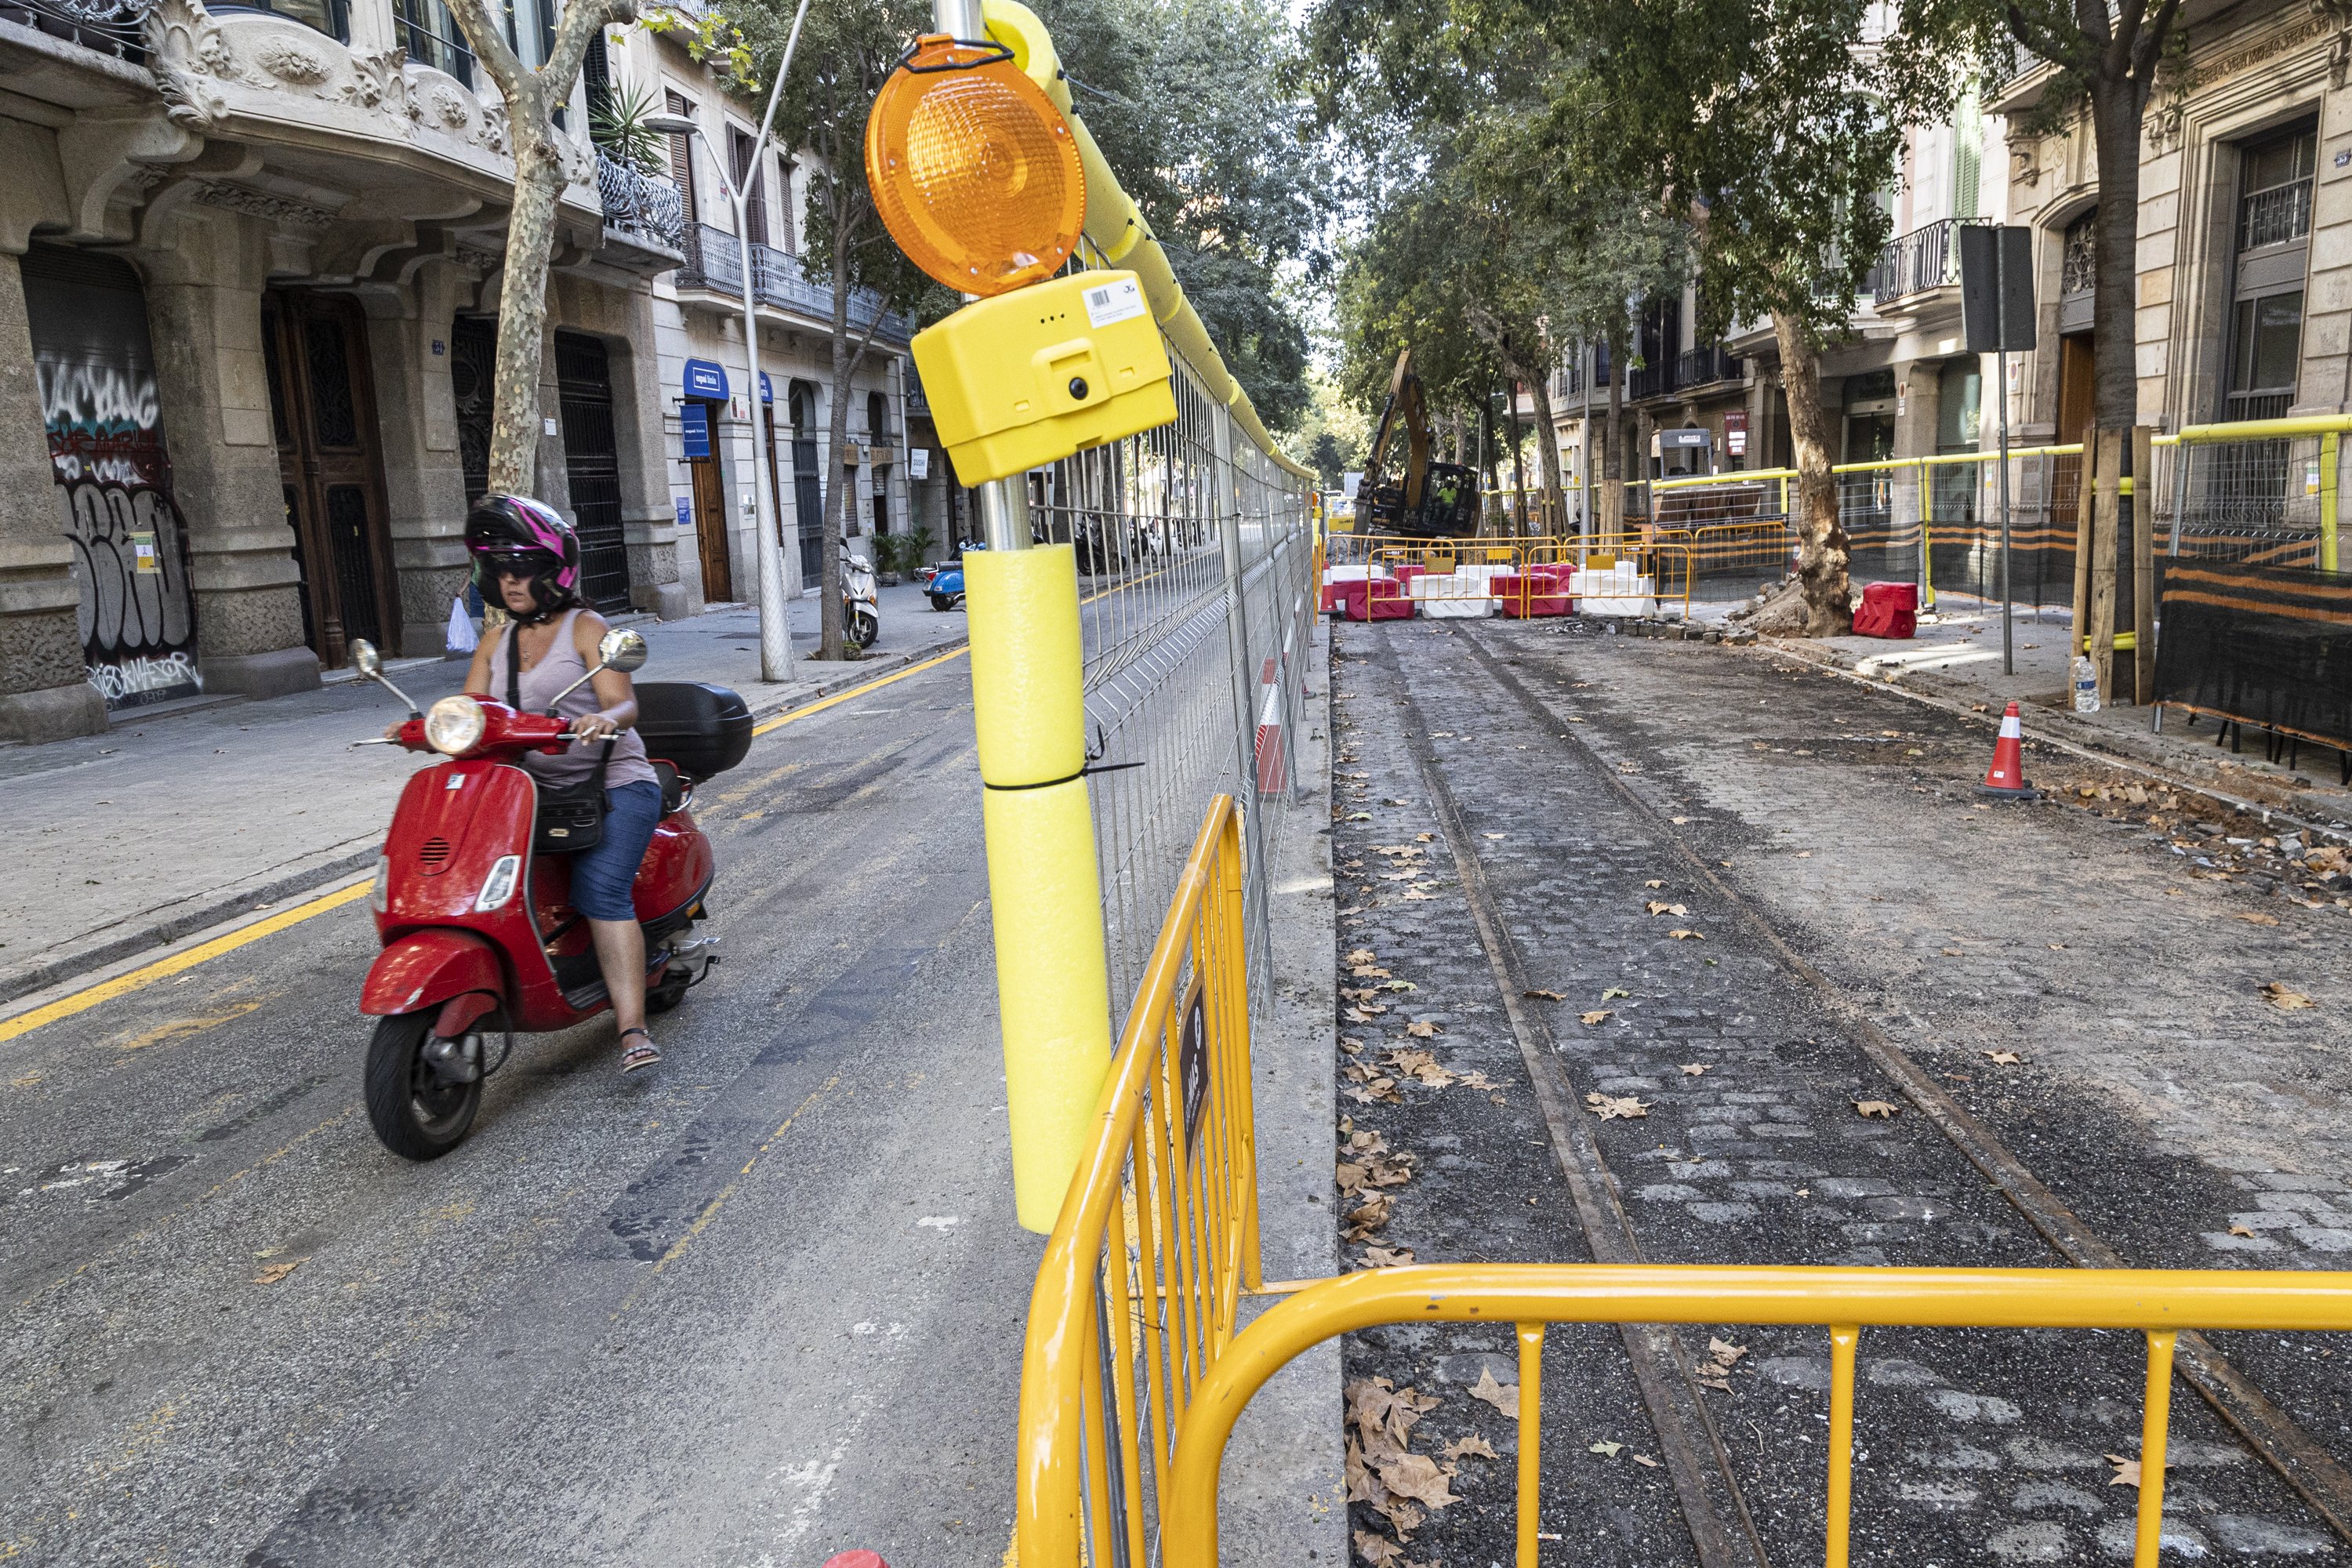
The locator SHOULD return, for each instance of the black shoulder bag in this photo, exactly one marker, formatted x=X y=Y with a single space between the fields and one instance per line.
x=571 y=816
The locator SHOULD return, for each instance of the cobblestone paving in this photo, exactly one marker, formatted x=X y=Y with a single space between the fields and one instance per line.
x=2178 y=1114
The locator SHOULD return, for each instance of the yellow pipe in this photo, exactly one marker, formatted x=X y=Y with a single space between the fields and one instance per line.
x=2329 y=447
x=1530 y=1449
x=2156 y=1418
x=2266 y=430
x=1053 y=997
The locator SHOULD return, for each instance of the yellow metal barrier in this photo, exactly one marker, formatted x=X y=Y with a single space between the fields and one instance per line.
x=1667 y=556
x=1135 y=1299
x=2158 y=1304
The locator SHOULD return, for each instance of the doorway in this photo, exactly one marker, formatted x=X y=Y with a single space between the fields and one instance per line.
x=315 y=351
x=591 y=463
x=2077 y=401
x=808 y=491
x=709 y=488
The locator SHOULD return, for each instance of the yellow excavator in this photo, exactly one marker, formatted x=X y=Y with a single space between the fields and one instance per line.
x=1424 y=499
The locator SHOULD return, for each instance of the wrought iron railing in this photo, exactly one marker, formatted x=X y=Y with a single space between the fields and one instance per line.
x=1925 y=258
x=2275 y=215
x=116 y=28
x=713 y=262
x=641 y=205
x=1692 y=367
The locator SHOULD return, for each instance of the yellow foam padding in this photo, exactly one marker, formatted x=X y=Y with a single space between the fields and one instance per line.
x=1113 y=221
x=1019 y=29
x=1053 y=991
x=1027 y=701
x=1029 y=377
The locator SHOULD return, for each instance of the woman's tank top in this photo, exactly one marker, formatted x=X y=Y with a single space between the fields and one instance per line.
x=558 y=668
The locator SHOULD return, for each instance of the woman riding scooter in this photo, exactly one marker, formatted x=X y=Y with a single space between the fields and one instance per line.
x=527 y=560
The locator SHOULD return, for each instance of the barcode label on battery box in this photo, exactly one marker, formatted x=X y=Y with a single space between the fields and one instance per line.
x=1121 y=299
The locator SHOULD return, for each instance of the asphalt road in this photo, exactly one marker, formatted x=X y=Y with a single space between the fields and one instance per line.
x=756 y=1306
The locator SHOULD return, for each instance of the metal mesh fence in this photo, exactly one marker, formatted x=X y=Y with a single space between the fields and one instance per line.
x=1193 y=552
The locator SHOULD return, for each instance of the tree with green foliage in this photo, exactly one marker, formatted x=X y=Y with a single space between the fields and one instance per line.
x=1783 y=125
x=2107 y=58
x=1185 y=99
x=846 y=52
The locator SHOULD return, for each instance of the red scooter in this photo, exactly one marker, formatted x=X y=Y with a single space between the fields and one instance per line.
x=479 y=933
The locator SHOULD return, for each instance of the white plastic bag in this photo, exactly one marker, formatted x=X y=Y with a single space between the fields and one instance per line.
x=461 y=628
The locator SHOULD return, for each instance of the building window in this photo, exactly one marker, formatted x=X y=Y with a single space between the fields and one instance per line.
x=2078 y=267
x=431 y=37
x=2266 y=342
x=2274 y=190
x=331 y=17
x=747 y=180
x=681 y=158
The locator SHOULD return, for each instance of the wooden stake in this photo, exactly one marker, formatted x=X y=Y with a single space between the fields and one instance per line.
x=2143 y=463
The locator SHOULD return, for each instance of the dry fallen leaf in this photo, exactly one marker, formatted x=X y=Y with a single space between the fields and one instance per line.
x=1422 y=1029
x=2005 y=1058
x=1377 y=1549
x=2283 y=999
x=1727 y=1354
x=1646 y=1462
x=1469 y=1447
x=1680 y=935
x=2240 y=1230
x=2253 y=919
x=1598 y=1016
x=276 y=1272
x=1613 y=992
x=2126 y=1471
x=1877 y=1107
x=1693 y=1069
x=1388 y=1257
x=1606 y=1449
x=1952 y=953
x=1423 y=837
x=1361 y=955
x=1678 y=821
x=1547 y=996
x=1498 y=836
x=1610 y=1108
x=1416 y=1476
x=1503 y=1397
x=1658 y=883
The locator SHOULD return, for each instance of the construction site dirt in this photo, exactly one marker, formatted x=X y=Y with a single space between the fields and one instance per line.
x=1693 y=953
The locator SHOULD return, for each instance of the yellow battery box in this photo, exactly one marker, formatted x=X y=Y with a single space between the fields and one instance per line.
x=1025 y=378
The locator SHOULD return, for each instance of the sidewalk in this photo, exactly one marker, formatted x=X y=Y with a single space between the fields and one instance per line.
x=1957 y=659
x=177 y=821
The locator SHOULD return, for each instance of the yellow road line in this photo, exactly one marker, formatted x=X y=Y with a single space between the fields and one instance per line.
x=781 y=720
x=164 y=968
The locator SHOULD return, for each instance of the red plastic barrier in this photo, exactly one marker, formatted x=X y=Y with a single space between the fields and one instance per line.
x=1530 y=595
x=1888 y=610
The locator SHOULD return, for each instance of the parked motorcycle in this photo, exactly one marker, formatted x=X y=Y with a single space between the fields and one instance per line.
x=861 y=606
x=479 y=937
x=946 y=585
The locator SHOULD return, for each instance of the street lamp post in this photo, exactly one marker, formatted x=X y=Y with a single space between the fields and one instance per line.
x=775 y=625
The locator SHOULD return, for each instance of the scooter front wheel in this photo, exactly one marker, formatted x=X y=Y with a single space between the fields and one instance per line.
x=416 y=1112
x=863 y=629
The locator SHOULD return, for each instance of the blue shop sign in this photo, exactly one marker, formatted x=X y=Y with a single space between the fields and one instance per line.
x=767 y=393
x=704 y=379
x=693 y=424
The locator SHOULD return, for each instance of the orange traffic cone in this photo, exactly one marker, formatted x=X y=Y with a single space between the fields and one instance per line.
x=2006 y=777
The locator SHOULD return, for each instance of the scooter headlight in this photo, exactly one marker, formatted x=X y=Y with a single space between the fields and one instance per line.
x=499 y=885
x=454 y=725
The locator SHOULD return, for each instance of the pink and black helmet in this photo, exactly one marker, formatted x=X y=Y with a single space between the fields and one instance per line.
x=518 y=535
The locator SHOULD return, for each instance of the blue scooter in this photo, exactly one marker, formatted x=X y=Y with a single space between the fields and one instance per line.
x=946 y=586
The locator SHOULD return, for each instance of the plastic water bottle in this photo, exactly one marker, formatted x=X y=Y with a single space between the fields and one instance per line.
x=2087 y=686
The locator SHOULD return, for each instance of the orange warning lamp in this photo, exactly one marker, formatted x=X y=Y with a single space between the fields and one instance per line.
x=974 y=170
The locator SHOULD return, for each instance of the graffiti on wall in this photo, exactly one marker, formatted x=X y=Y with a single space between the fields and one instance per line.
x=98 y=402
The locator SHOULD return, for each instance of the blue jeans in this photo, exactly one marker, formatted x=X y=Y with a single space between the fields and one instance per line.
x=601 y=877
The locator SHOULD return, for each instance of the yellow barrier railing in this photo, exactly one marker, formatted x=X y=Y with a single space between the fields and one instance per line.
x=1136 y=1300
x=2158 y=1304
x=1461 y=570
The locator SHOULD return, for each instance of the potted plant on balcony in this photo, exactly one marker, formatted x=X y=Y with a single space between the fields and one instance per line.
x=616 y=123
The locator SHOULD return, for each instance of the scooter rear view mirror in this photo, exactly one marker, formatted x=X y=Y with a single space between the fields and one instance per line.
x=370 y=664
x=620 y=650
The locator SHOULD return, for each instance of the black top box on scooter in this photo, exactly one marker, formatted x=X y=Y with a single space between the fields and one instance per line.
x=700 y=728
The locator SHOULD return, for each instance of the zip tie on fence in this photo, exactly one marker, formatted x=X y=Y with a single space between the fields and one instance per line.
x=1082 y=772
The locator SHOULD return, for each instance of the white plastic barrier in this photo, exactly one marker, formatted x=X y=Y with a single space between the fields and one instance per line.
x=1464 y=594
x=1618 y=590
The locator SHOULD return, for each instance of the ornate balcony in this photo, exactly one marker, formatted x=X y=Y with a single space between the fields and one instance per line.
x=116 y=28
x=713 y=261
x=640 y=205
x=1925 y=258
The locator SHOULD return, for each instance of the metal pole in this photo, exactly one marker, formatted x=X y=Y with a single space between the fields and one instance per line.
x=2001 y=374
x=1229 y=540
x=775 y=624
x=1003 y=503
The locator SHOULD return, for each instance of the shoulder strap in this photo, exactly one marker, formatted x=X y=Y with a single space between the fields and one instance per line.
x=514 y=666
